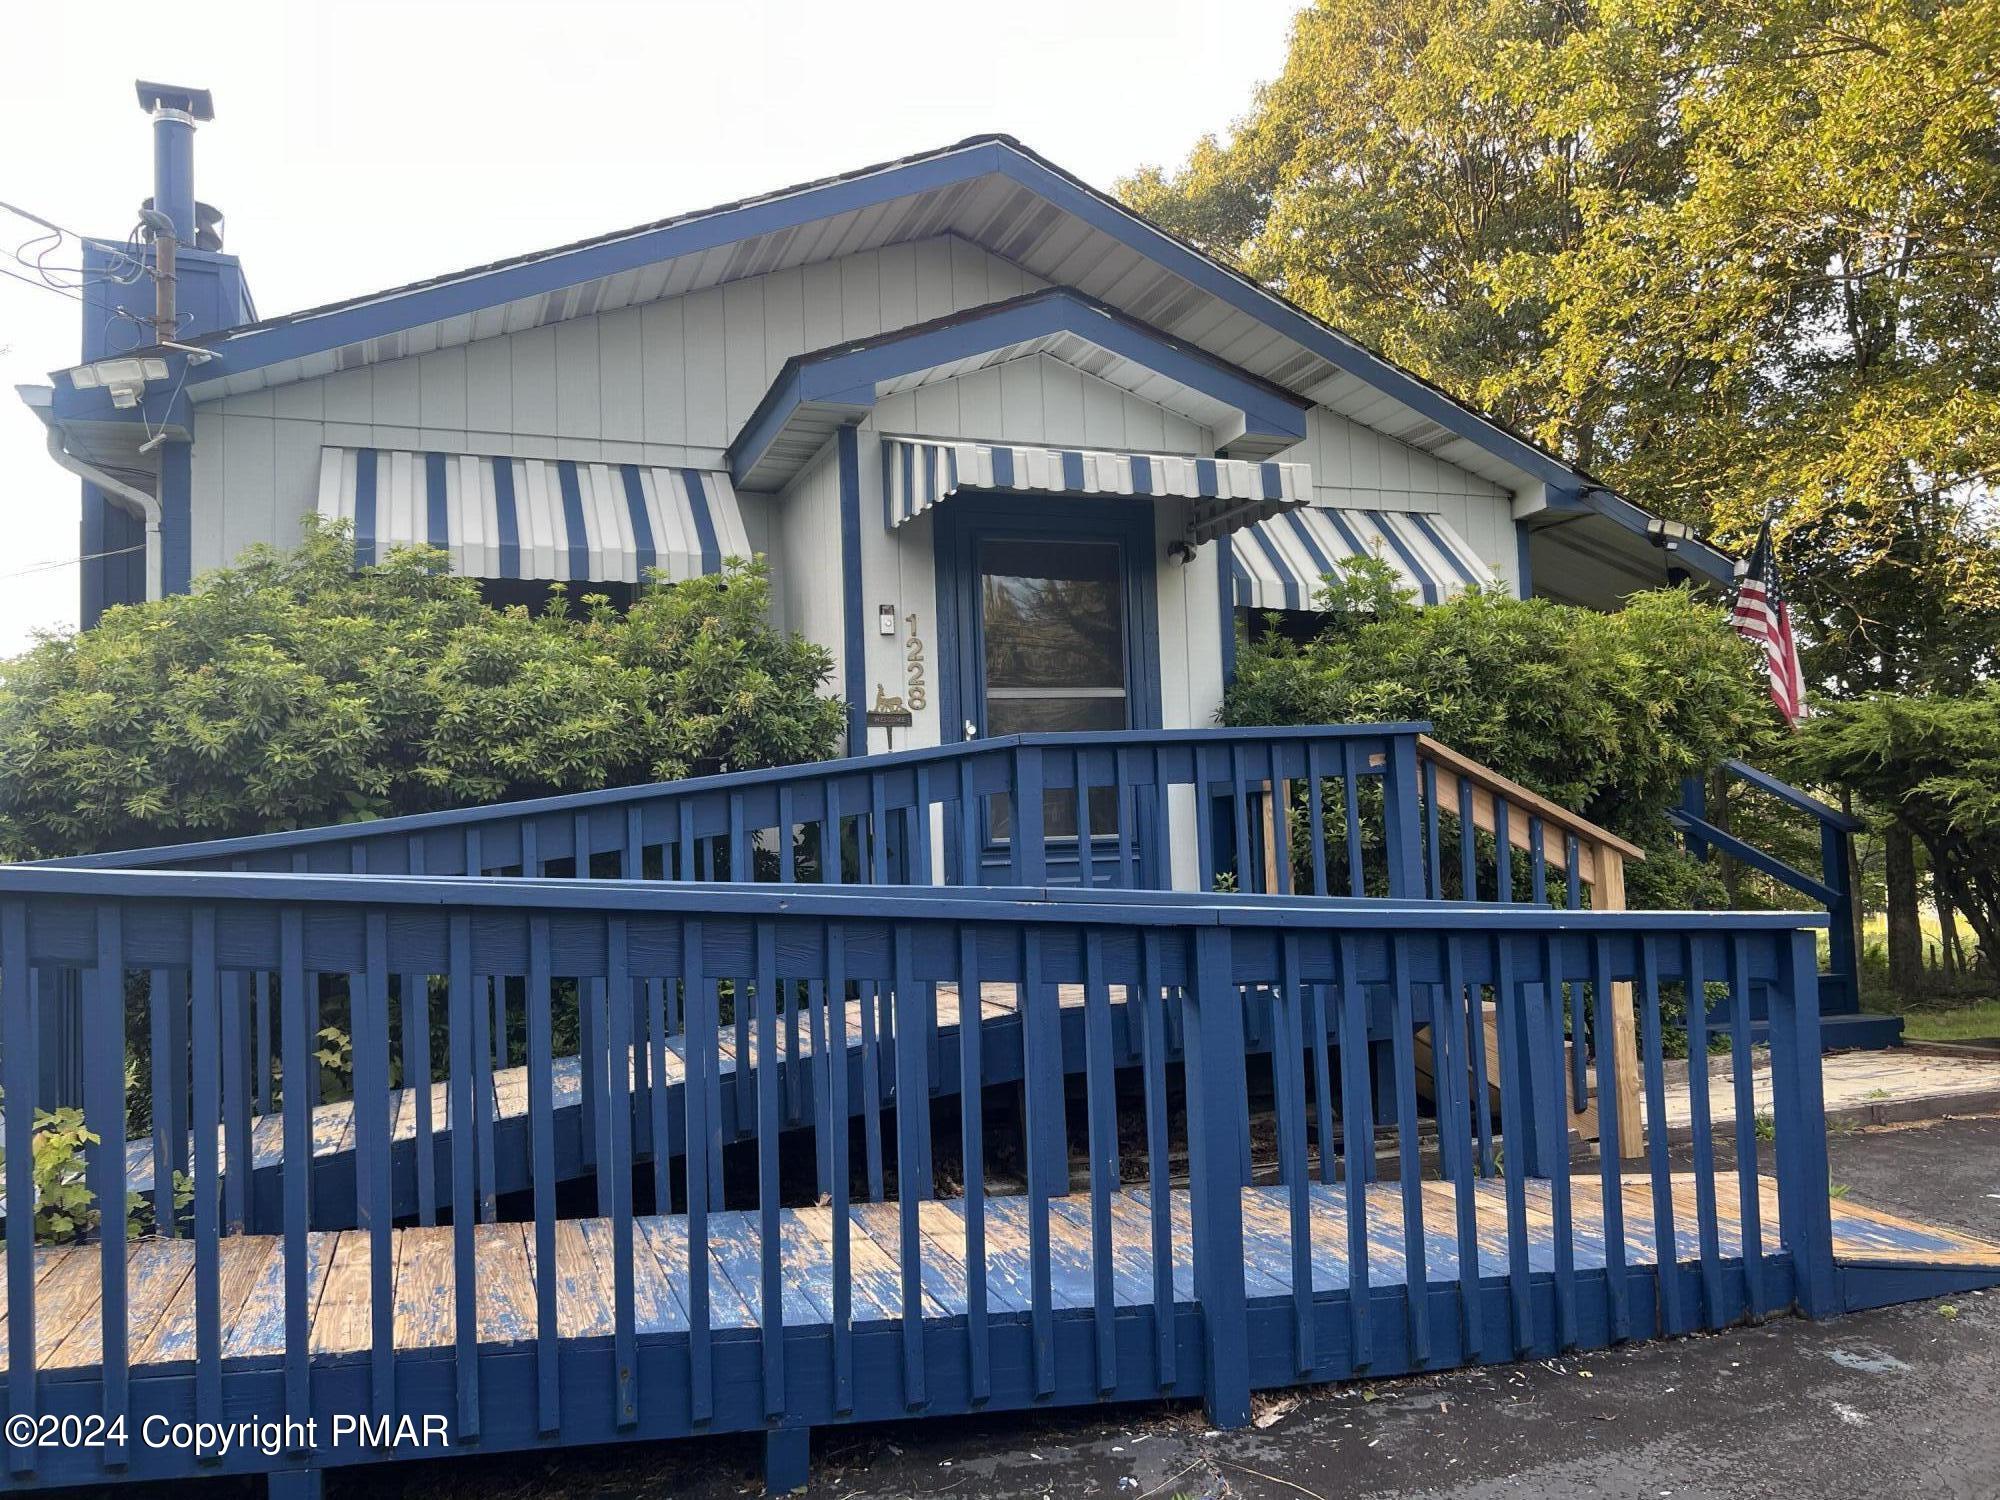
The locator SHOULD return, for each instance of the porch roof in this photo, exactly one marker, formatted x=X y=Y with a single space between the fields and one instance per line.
x=558 y=519
x=821 y=389
x=1223 y=495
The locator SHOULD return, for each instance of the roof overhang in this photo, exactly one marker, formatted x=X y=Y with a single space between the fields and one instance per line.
x=990 y=191
x=816 y=392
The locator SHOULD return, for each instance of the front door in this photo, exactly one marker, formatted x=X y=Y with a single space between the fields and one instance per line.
x=1055 y=627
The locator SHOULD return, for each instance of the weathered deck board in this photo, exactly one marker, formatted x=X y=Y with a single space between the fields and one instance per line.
x=252 y=1267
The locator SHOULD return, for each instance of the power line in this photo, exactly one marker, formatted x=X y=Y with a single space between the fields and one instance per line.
x=70 y=562
x=47 y=286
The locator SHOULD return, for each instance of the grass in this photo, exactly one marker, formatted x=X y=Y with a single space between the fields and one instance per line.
x=1957 y=1023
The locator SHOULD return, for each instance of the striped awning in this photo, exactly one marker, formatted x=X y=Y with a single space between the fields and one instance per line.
x=1281 y=563
x=1226 y=493
x=560 y=519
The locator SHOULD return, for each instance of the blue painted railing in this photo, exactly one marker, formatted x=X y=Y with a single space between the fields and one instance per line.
x=732 y=1302
x=1832 y=888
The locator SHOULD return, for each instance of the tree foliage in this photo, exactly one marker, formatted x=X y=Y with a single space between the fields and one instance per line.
x=293 y=690
x=1735 y=258
x=1934 y=763
x=1604 y=713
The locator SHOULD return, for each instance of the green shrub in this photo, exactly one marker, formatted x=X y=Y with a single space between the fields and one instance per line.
x=293 y=689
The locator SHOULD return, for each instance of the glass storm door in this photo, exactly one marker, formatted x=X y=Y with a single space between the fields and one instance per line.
x=1053 y=654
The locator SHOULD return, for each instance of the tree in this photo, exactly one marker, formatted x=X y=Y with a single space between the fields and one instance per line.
x=1934 y=762
x=1602 y=713
x=1737 y=259
x=293 y=690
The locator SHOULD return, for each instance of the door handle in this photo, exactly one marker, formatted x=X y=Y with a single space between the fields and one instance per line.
x=971 y=730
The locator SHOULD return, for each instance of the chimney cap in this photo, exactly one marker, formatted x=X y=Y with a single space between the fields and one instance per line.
x=157 y=96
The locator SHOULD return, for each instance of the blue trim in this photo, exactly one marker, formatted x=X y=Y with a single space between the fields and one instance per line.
x=364 y=506
x=1274 y=482
x=1524 y=561
x=437 y=529
x=1304 y=530
x=1227 y=572
x=1142 y=474
x=854 y=669
x=572 y=505
x=509 y=517
x=1290 y=581
x=1003 y=467
x=704 y=520
x=642 y=524
x=845 y=376
x=1072 y=467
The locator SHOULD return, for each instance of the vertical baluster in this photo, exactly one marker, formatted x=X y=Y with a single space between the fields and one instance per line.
x=295 y=1000
x=205 y=1045
x=1743 y=1065
x=417 y=1041
x=1357 y=1125
x=1448 y=1036
x=20 y=1069
x=913 y=1180
x=1511 y=1019
x=1798 y=1102
x=1416 y=1289
x=1151 y=1013
x=1550 y=1089
x=970 y=872
x=972 y=1122
x=1350 y=798
x=1702 y=1137
x=1101 y=1101
x=1316 y=812
x=1281 y=826
x=771 y=1244
x=1317 y=999
x=1573 y=872
x=659 y=1116
x=1538 y=862
x=1288 y=1077
x=260 y=989
x=1217 y=1107
x=1666 y=1244
x=1205 y=865
x=1434 y=862
x=700 y=1040
x=1503 y=850
x=1611 y=1179
x=843 y=1227
x=827 y=1053
x=590 y=1078
x=871 y=1087
x=375 y=1212
x=104 y=1110
x=542 y=1143
x=236 y=1178
x=920 y=841
x=1482 y=1083
x=169 y=1079
x=1128 y=811
x=464 y=1006
x=1468 y=844
x=788 y=873
x=1086 y=863
x=1249 y=876
x=741 y=863
x=618 y=1066
x=1042 y=1062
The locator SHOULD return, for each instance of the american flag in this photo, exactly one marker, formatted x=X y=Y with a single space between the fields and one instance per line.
x=1763 y=619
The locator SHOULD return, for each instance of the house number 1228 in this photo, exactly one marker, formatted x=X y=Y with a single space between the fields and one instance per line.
x=913 y=666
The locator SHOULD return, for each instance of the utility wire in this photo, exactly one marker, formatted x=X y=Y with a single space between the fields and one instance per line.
x=70 y=562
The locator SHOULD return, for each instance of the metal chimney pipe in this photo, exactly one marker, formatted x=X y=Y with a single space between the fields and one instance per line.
x=175 y=111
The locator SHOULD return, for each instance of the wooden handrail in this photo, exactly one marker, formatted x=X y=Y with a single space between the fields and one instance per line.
x=1557 y=820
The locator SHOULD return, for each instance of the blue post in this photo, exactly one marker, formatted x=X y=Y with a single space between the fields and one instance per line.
x=1841 y=991
x=787 y=1459
x=1798 y=1105
x=1216 y=1103
x=1403 y=824
x=1694 y=802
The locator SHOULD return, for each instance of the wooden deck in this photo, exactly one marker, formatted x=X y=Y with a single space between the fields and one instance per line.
x=162 y=1287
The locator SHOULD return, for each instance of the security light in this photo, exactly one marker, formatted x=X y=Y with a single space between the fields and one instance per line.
x=125 y=379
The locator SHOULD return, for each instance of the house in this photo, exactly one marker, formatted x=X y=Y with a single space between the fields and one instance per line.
x=1017 y=457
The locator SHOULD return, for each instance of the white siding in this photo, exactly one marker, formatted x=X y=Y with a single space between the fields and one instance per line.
x=806 y=585
x=1040 y=399
x=665 y=383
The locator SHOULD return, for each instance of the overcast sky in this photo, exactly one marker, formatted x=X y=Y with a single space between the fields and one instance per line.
x=357 y=146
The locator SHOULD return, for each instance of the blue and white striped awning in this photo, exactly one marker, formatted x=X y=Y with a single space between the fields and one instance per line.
x=563 y=519
x=1226 y=493
x=1282 y=563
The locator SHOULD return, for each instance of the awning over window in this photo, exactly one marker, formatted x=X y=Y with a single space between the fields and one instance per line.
x=1280 y=564
x=535 y=518
x=1226 y=493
